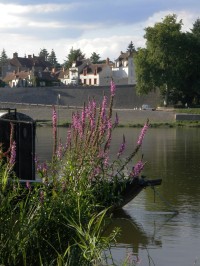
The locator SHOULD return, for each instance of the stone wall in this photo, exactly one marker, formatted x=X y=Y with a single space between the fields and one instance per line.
x=126 y=97
x=187 y=117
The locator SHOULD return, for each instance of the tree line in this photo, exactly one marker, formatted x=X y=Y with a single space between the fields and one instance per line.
x=74 y=54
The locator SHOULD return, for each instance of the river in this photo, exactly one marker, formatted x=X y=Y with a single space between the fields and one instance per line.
x=161 y=228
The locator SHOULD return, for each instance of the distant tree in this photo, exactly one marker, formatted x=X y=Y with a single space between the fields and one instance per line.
x=3 y=57
x=52 y=58
x=74 y=55
x=95 y=58
x=44 y=53
x=131 y=47
x=3 y=60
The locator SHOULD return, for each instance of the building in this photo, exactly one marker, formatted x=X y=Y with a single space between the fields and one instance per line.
x=28 y=71
x=97 y=74
x=123 y=72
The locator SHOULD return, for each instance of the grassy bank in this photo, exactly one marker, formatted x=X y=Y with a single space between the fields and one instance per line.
x=133 y=125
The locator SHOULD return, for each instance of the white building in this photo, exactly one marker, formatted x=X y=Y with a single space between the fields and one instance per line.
x=123 y=72
x=96 y=74
x=86 y=73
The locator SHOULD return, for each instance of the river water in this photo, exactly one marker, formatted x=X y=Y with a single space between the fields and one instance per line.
x=159 y=228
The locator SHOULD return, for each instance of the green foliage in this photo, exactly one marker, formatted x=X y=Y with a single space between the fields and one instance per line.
x=169 y=62
x=52 y=58
x=94 y=58
x=3 y=57
x=44 y=53
x=2 y=83
x=131 y=47
x=196 y=28
x=73 y=56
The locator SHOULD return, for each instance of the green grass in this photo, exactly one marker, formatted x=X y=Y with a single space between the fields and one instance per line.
x=188 y=110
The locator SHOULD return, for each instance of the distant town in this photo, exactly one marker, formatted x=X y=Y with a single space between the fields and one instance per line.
x=40 y=71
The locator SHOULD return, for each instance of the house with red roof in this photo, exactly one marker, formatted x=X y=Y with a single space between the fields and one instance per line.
x=28 y=71
x=97 y=74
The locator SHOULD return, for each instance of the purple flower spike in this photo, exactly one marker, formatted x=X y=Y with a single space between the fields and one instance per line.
x=112 y=88
x=137 y=169
x=142 y=134
x=54 y=118
x=122 y=148
x=12 y=153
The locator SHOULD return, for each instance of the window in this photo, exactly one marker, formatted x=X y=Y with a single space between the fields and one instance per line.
x=95 y=81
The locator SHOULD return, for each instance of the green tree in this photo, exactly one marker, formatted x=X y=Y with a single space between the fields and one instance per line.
x=196 y=28
x=74 y=55
x=157 y=65
x=131 y=47
x=189 y=68
x=3 y=57
x=3 y=60
x=44 y=53
x=95 y=58
x=52 y=58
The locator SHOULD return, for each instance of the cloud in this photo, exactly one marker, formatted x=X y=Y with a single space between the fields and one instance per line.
x=104 y=27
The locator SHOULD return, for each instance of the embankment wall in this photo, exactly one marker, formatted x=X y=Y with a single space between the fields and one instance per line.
x=126 y=97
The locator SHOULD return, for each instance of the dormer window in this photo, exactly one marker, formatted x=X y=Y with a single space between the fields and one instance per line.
x=95 y=71
x=84 y=72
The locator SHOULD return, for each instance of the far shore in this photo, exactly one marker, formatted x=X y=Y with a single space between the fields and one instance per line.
x=127 y=117
x=162 y=117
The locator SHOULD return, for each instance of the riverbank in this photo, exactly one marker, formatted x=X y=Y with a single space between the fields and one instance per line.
x=42 y=114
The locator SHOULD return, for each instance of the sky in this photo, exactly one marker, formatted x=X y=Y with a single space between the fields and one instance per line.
x=105 y=27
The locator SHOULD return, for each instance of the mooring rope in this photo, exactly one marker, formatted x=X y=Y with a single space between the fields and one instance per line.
x=167 y=203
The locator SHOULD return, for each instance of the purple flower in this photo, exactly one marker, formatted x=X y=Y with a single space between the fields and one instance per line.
x=83 y=116
x=142 y=134
x=54 y=118
x=68 y=138
x=54 y=123
x=112 y=88
x=60 y=150
x=12 y=153
x=122 y=148
x=28 y=185
x=137 y=168
x=103 y=108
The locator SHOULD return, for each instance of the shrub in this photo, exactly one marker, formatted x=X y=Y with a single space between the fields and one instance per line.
x=60 y=221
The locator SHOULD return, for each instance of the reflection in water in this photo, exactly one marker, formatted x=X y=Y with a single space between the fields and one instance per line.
x=131 y=233
x=151 y=227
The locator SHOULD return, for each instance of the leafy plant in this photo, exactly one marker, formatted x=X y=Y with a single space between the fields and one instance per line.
x=61 y=220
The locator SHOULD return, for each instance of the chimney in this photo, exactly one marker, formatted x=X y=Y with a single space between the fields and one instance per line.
x=15 y=55
x=107 y=61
